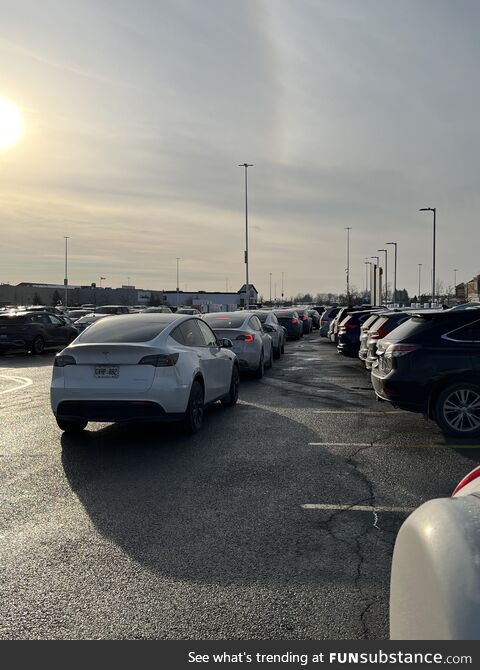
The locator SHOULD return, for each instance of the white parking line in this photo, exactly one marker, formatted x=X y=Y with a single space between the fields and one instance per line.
x=355 y=411
x=359 y=508
x=23 y=381
x=342 y=444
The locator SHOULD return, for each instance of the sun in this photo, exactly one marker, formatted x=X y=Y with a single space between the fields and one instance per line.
x=11 y=124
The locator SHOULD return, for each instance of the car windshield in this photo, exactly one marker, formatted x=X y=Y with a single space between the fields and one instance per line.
x=127 y=328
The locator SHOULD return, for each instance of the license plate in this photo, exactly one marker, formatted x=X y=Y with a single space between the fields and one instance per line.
x=107 y=372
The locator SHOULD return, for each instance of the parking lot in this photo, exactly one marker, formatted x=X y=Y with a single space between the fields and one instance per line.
x=276 y=521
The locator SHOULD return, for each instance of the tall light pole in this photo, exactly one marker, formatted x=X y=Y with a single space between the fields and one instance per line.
x=282 y=286
x=419 y=279
x=434 y=210
x=394 y=271
x=367 y=263
x=375 y=268
x=65 y=281
x=270 y=287
x=455 y=270
x=178 y=260
x=386 y=273
x=247 y=286
x=348 y=229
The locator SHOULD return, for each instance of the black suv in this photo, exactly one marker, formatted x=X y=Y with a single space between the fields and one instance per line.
x=431 y=364
x=34 y=331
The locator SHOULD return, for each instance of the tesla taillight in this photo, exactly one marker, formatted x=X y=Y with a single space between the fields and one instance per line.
x=474 y=474
x=61 y=361
x=294 y=322
x=246 y=338
x=304 y=318
x=397 y=350
x=159 y=360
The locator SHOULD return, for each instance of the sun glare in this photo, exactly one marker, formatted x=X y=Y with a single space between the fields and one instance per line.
x=11 y=125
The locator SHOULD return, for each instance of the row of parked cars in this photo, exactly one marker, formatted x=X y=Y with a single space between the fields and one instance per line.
x=425 y=361
x=158 y=366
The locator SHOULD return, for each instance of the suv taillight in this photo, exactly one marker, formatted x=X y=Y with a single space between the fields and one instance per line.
x=245 y=338
x=474 y=474
x=62 y=360
x=159 y=360
x=397 y=350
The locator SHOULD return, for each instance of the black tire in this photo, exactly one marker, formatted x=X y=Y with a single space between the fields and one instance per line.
x=231 y=399
x=457 y=410
x=194 y=415
x=277 y=352
x=260 y=371
x=270 y=360
x=38 y=346
x=282 y=349
x=72 y=427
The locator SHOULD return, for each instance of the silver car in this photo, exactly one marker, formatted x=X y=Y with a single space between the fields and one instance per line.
x=251 y=344
x=271 y=326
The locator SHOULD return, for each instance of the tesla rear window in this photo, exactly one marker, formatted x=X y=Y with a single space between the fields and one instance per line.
x=128 y=328
x=222 y=322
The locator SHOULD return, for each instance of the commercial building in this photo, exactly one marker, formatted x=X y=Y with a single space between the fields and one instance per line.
x=28 y=293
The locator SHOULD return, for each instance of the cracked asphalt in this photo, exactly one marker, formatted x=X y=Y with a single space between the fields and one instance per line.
x=142 y=532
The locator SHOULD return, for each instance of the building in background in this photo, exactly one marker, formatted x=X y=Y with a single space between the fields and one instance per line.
x=29 y=293
x=468 y=291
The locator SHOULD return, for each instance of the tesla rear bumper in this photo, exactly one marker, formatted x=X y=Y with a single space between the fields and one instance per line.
x=114 y=411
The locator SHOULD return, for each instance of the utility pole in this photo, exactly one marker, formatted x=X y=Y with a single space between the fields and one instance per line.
x=178 y=259
x=434 y=210
x=394 y=272
x=348 y=229
x=247 y=285
x=65 y=281
x=282 y=287
x=270 y=287
x=386 y=275
x=419 y=280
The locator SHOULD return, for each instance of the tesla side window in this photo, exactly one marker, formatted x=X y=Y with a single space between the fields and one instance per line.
x=192 y=333
x=177 y=335
x=208 y=335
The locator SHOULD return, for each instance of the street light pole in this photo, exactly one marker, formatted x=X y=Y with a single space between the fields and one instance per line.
x=247 y=286
x=282 y=287
x=419 y=280
x=434 y=210
x=375 y=268
x=386 y=273
x=348 y=229
x=65 y=281
x=394 y=272
x=178 y=259
x=455 y=270
x=367 y=262
x=270 y=287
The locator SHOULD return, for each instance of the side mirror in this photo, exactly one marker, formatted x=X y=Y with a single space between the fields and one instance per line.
x=267 y=328
x=225 y=343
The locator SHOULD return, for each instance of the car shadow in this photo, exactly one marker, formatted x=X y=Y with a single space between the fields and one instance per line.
x=208 y=508
x=23 y=359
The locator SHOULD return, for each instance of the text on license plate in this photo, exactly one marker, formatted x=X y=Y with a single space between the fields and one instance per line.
x=107 y=372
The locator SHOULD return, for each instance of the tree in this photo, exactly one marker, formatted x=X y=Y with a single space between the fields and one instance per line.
x=57 y=298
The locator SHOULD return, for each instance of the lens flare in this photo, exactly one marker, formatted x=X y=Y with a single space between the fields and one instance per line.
x=11 y=125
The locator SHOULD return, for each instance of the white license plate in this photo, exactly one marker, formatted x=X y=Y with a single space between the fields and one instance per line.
x=107 y=372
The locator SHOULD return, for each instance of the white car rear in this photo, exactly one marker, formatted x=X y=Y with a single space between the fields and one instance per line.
x=435 y=583
x=148 y=367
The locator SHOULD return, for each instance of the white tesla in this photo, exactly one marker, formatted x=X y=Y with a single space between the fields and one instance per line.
x=143 y=367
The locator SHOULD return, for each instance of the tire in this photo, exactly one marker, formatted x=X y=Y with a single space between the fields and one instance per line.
x=71 y=427
x=194 y=415
x=231 y=399
x=277 y=352
x=282 y=349
x=457 y=410
x=260 y=371
x=38 y=346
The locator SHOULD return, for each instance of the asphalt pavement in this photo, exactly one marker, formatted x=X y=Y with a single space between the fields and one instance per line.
x=276 y=521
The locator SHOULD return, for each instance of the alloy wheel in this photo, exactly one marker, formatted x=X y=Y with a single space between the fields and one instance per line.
x=461 y=410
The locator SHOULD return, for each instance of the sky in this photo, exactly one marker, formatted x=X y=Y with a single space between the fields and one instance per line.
x=353 y=112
